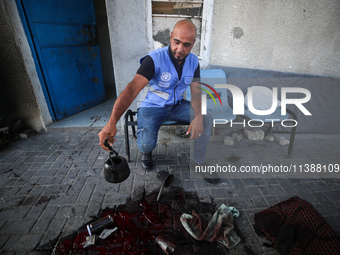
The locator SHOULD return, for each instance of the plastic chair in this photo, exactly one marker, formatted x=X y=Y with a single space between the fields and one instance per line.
x=219 y=110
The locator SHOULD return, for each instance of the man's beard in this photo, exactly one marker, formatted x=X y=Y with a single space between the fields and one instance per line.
x=177 y=58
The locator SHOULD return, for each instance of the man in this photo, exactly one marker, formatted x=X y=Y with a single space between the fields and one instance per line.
x=169 y=71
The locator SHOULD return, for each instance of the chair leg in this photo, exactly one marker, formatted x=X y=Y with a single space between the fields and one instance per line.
x=292 y=135
x=268 y=130
x=133 y=126
x=291 y=142
x=126 y=133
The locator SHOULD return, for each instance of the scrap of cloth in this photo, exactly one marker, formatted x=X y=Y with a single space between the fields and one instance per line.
x=218 y=227
x=295 y=227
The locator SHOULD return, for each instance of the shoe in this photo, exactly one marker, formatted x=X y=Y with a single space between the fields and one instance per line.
x=147 y=162
x=207 y=176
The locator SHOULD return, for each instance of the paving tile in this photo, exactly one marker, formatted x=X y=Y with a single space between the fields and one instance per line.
x=95 y=204
x=257 y=197
x=9 y=202
x=14 y=213
x=332 y=195
x=59 y=200
x=54 y=230
x=73 y=224
x=271 y=190
x=72 y=174
x=50 y=180
x=116 y=199
x=104 y=187
x=315 y=186
x=126 y=186
x=70 y=211
x=56 y=190
x=18 y=226
x=54 y=187
x=44 y=173
x=24 y=244
x=9 y=191
x=41 y=226
x=272 y=200
x=85 y=194
x=3 y=240
x=223 y=193
x=326 y=202
x=77 y=185
x=240 y=202
x=36 y=211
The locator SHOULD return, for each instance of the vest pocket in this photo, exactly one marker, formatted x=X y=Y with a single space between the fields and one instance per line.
x=156 y=99
x=187 y=80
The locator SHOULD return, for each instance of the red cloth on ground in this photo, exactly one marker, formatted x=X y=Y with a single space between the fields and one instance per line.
x=295 y=227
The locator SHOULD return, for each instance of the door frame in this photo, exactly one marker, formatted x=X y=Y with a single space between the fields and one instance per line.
x=40 y=74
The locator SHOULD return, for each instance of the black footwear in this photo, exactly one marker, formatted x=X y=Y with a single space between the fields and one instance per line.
x=147 y=162
x=207 y=176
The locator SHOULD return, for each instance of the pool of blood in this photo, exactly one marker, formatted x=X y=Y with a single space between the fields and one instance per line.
x=139 y=223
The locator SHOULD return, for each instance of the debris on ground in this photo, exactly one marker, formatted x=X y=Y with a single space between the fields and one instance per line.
x=10 y=131
x=142 y=227
x=237 y=137
x=228 y=140
x=255 y=134
x=281 y=139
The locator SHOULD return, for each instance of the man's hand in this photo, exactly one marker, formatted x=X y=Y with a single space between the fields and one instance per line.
x=120 y=106
x=108 y=132
x=196 y=127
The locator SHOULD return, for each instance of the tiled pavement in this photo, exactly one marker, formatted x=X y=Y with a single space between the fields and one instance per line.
x=52 y=183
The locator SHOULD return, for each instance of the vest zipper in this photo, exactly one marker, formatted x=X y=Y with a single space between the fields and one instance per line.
x=175 y=92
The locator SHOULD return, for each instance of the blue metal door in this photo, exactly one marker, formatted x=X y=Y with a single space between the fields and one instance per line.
x=65 y=39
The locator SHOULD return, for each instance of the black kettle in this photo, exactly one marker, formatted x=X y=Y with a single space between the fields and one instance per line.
x=116 y=168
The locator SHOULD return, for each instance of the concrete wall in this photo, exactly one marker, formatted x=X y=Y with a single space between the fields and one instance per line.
x=281 y=35
x=278 y=35
x=104 y=43
x=21 y=95
x=128 y=37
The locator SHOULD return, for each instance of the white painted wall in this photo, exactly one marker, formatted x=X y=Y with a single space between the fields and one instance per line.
x=128 y=37
x=280 y=35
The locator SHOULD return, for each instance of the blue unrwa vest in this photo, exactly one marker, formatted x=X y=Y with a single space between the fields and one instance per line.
x=165 y=87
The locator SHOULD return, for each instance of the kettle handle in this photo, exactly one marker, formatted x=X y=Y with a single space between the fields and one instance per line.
x=110 y=148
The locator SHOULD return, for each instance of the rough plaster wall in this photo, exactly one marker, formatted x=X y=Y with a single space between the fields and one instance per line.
x=17 y=96
x=162 y=27
x=127 y=29
x=281 y=35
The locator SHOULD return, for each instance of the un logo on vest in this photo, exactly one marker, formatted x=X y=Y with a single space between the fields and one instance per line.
x=166 y=76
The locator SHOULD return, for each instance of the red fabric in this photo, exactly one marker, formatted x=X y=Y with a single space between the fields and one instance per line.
x=295 y=227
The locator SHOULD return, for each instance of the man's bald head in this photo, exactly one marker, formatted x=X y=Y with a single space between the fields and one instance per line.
x=182 y=39
x=186 y=25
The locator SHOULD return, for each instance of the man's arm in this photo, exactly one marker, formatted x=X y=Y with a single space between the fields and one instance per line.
x=196 y=125
x=122 y=103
